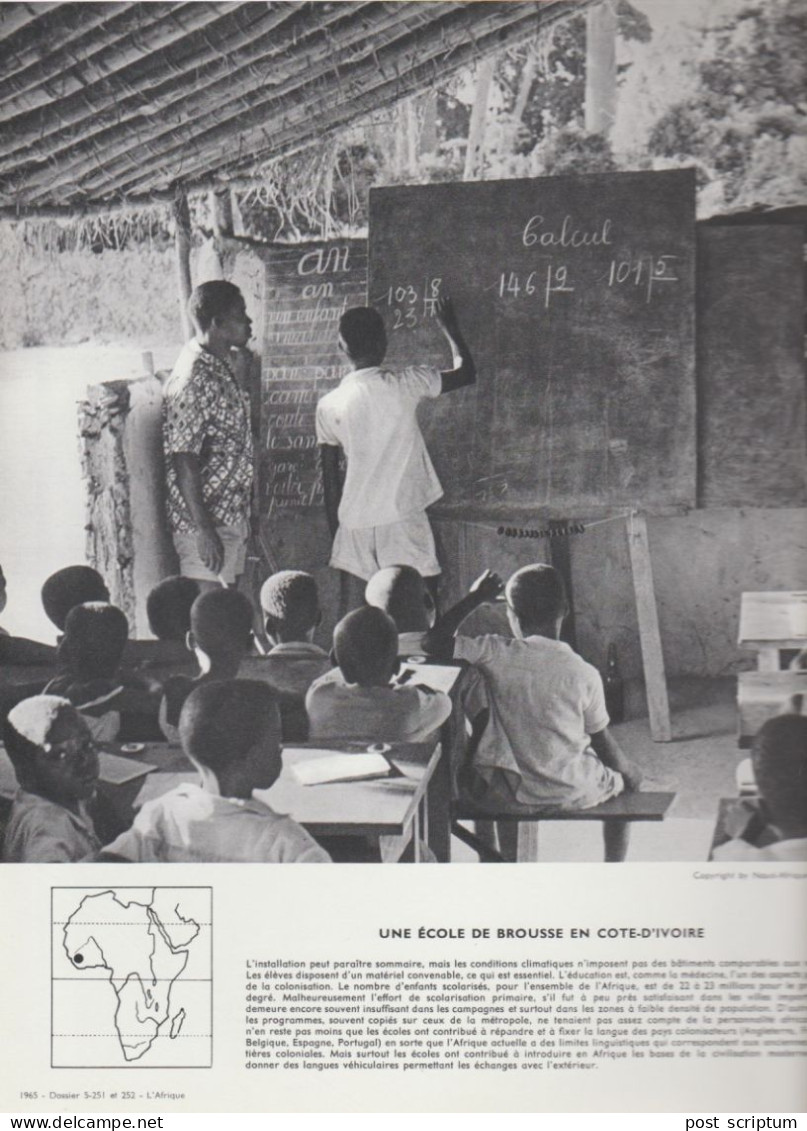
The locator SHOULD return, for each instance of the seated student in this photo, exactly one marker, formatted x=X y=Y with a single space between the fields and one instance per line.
x=231 y=732
x=360 y=699
x=774 y=827
x=290 y=604
x=90 y=651
x=403 y=594
x=547 y=742
x=68 y=587
x=220 y=637
x=168 y=608
x=16 y=649
x=56 y=764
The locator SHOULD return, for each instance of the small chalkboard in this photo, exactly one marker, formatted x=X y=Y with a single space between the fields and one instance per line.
x=577 y=294
x=308 y=286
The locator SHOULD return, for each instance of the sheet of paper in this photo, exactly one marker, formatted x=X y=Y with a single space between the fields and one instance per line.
x=333 y=767
x=440 y=677
x=116 y=770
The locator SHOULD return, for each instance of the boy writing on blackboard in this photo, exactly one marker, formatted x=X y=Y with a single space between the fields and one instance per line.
x=377 y=517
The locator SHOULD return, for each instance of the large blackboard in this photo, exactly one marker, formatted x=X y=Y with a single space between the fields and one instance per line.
x=578 y=298
x=752 y=439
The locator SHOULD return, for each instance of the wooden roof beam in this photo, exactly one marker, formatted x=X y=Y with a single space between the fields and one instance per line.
x=135 y=40
x=24 y=28
x=100 y=171
x=169 y=96
x=338 y=102
x=74 y=64
x=14 y=18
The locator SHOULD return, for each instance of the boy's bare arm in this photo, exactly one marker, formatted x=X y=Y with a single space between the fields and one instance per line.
x=331 y=484
x=439 y=640
x=464 y=371
x=611 y=754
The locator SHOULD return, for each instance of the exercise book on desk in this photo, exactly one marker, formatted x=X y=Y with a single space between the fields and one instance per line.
x=439 y=677
x=326 y=767
x=115 y=770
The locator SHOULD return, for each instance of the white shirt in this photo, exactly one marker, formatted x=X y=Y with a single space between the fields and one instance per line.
x=396 y=713
x=188 y=824
x=545 y=701
x=371 y=415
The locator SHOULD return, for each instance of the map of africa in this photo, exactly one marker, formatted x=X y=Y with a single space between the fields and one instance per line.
x=132 y=979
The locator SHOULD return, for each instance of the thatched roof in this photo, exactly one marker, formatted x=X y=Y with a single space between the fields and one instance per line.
x=108 y=102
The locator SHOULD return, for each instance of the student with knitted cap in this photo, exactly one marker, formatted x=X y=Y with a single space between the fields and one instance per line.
x=113 y=705
x=220 y=636
x=231 y=732
x=292 y=613
x=361 y=699
x=56 y=764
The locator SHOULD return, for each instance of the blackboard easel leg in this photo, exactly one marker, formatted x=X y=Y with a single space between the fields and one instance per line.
x=658 y=706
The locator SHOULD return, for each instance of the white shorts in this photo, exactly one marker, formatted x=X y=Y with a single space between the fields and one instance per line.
x=234 y=541
x=364 y=551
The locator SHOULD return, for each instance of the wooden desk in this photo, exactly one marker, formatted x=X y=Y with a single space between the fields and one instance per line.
x=771 y=623
x=395 y=810
x=439 y=677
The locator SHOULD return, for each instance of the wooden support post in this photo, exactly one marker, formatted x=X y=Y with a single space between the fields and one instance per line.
x=474 y=154
x=527 y=842
x=649 y=635
x=182 y=245
x=600 y=95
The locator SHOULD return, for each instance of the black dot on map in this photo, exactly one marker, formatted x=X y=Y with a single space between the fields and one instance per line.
x=78 y=959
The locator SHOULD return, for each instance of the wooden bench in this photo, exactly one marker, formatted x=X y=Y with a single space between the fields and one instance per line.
x=637 y=806
x=772 y=623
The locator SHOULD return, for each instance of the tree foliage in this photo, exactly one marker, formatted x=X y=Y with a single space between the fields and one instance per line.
x=746 y=127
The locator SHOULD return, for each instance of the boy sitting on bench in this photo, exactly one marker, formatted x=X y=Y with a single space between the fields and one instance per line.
x=547 y=743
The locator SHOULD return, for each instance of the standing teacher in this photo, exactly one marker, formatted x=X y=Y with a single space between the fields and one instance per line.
x=207 y=439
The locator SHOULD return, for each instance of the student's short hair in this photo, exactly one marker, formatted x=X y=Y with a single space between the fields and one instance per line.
x=40 y=710
x=290 y=602
x=401 y=592
x=779 y=758
x=211 y=300
x=168 y=607
x=365 y=645
x=536 y=593
x=221 y=621
x=222 y=720
x=362 y=331
x=71 y=586
x=95 y=635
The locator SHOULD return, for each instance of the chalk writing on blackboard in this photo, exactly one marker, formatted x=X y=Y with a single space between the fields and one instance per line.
x=570 y=290
x=307 y=290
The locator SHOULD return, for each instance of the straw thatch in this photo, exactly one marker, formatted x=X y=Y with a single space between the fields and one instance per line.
x=108 y=102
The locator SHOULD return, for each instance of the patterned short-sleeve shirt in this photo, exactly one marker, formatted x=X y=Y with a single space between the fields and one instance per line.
x=207 y=414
